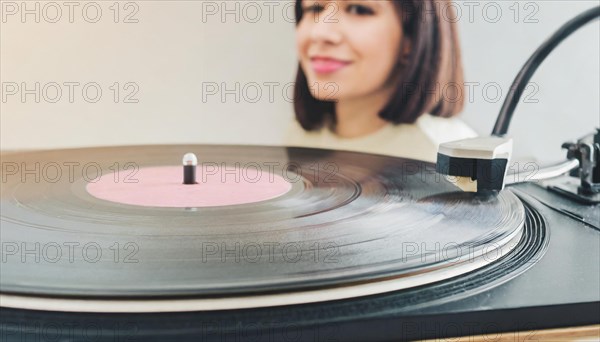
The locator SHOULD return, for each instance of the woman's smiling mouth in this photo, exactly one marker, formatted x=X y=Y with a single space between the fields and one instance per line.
x=327 y=65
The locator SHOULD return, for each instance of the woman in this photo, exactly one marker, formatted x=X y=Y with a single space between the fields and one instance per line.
x=378 y=76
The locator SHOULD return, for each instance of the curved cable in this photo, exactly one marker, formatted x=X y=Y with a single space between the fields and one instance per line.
x=522 y=79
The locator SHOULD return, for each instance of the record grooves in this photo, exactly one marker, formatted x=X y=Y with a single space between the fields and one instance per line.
x=143 y=326
x=355 y=220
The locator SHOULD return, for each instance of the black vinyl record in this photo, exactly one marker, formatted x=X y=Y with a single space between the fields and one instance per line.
x=352 y=224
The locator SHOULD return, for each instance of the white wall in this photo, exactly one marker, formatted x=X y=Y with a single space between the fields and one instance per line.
x=175 y=46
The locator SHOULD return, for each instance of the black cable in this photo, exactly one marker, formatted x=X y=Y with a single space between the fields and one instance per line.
x=520 y=82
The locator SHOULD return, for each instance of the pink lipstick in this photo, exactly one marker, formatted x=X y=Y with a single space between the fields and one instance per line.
x=326 y=65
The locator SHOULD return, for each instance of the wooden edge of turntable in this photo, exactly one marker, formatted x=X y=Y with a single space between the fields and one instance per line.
x=583 y=333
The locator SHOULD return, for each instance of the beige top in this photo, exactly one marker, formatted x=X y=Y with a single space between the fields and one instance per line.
x=415 y=141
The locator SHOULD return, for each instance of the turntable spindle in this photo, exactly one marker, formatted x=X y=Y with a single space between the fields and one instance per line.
x=189 y=168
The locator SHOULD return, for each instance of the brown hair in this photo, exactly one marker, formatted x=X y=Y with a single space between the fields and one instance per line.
x=434 y=64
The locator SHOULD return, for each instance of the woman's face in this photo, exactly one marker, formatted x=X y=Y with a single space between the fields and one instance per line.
x=348 y=48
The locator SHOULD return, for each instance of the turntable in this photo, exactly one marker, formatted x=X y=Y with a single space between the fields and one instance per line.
x=255 y=243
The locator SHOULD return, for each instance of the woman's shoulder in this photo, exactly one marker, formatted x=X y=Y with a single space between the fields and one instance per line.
x=416 y=141
x=440 y=130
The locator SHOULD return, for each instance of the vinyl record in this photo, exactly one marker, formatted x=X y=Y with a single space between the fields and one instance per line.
x=264 y=226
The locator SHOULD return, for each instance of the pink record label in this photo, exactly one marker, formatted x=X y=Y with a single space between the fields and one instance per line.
x=217 y=186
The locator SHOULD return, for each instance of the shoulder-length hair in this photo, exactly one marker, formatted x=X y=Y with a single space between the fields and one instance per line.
x=430 y=80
